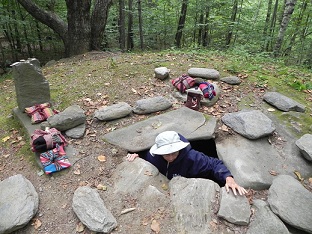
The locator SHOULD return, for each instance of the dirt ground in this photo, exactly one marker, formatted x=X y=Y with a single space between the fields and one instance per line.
x=55 y=213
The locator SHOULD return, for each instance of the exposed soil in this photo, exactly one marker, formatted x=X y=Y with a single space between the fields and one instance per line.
x=55 y=213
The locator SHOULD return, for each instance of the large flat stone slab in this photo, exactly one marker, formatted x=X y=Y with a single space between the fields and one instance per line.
x=141 y=136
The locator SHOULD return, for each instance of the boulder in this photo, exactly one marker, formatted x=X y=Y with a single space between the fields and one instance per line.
x=116 y=111
x=282 y=102
x=250 y=124
x=206 y=73
x=292 y=202
x=161 y=73
x=71 y=117
x=151 y=105
x=19 y=203
x=305 y=146
x=91 y=211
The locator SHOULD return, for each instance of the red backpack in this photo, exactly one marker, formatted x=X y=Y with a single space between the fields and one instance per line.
x=183 y=83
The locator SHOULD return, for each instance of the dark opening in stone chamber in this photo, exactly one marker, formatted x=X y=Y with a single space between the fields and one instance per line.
x=208 y=147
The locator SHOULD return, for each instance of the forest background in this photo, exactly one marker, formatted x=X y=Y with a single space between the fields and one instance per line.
x=278 y=29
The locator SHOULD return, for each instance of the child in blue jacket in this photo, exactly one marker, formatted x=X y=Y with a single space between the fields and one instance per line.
x=173 y=155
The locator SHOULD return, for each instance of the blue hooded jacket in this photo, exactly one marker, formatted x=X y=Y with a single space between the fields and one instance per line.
x=191 y=164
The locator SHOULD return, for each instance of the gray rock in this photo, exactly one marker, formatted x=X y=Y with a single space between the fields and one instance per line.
x=91 y=211
x=265 y=221
x=151 y=105
x=30 y=85
x=234 y=209
x=292 y=202
x=250 y=161
x=204 y=73
x=71 y=117
x=115 y=111
x=76 y=132
x=142 y=174
x=193 y=201
x=141 y=135
x=305 y=146
x=250 y=124
x=161 y=73
x=282 y=102
x=18 y=203
x=233 y=80
x=205 y=101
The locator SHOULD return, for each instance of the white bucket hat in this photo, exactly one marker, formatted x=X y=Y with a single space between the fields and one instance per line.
x=167 y=142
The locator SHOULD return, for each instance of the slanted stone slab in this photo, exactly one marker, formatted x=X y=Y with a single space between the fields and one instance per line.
x=250 y=161
x=141 y=135
x=133 y=176
x=161 y=73
x=19 y=203
x=115 y=111
x=233 y=80
x=91 y=211
x=206 y=73
x=282 y=102
x=292 y=202
x=251 y=124
x=30 y=85
x=305 y=146
x=151 y=105
x=193 y=201
x=235 y=209
x=71 y=117
x=264 y=220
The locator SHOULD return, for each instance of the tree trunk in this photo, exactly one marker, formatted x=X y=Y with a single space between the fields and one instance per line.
x=82 y=33
x=297 y=27
x=289 y=9
x=122 y=33
x=272 y=27
x=140 y=24
x=206 y=29
x=231 y=25
x=267 y=25
x=79 y=30
x=98 y=22
x=200 y=29
x=182 y=19
x=130 y=43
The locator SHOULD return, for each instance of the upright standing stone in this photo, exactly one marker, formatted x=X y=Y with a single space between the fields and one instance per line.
x=30 y=85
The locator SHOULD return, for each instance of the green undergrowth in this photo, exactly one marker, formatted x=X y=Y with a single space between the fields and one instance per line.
x=113 y=76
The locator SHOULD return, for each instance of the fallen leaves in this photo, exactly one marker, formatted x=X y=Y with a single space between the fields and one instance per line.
x=299 y=177
x=5 y=139
x=77 y=170
x=148 y=173
x=102 y=158
x=101 y=187
x=273 y=173
x=80 y=227
x=125 y=211
x=155 y=226
x=164 y=187
x=36 y=223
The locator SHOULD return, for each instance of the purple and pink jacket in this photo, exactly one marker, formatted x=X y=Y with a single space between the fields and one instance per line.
x=191 y=164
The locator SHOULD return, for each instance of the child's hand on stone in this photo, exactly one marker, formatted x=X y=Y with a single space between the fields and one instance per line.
x=131 y=157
